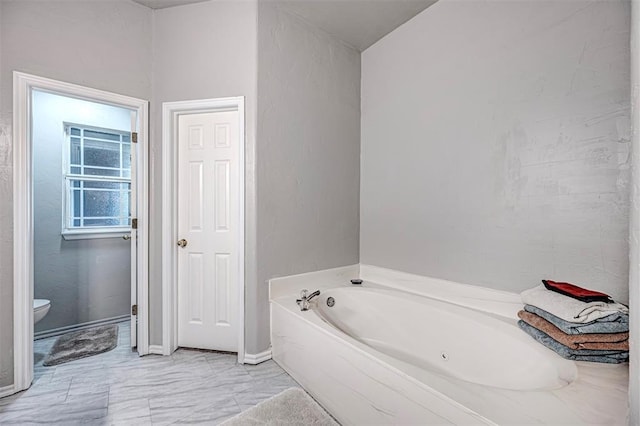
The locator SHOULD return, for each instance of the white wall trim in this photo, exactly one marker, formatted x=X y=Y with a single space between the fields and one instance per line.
x=23 y=85
x=22 y=235
x=170 y=113
x=634 y=222
x=257 y=358
x=155 y=350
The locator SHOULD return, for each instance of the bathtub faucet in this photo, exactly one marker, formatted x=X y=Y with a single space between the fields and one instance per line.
x=305 y=298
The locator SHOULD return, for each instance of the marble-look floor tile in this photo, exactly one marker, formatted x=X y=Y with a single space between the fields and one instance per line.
x=253 y=396
x=135 y=411
x=121 y=388
x=264 y=370
x=211 y=415
x=76 y=409
x=168 y=410
x=48 y=395
x=80 y=387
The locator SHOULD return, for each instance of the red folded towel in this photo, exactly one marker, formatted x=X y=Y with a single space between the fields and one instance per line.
x=582 y=294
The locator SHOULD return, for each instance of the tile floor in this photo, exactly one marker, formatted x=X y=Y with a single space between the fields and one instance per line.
x=120 y=388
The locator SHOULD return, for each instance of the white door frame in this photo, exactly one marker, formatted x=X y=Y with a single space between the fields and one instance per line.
x=170 y=113
x=23 y=85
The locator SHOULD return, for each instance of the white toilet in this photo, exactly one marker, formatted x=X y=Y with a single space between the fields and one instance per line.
x=40 y=309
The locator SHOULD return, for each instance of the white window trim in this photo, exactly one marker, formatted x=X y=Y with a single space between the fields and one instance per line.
x=92 y=234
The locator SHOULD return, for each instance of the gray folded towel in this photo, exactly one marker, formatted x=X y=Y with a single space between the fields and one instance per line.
x=614 y=323
x=592 y=355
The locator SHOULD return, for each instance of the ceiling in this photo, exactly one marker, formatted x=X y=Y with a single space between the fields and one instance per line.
x=161 y=4
x=359 y=23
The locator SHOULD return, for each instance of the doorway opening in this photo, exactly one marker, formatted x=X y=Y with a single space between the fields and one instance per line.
x=80 y=213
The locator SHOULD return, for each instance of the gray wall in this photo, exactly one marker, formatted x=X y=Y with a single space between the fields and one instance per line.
x=200 y=51
x=85 y=280
x=100 y=44
x=308 y=150
x=495 y=144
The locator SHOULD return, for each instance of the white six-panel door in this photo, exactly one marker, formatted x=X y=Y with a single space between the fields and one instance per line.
x=208 y=230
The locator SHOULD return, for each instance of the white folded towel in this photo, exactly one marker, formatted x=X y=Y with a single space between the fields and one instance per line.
x=568 y=308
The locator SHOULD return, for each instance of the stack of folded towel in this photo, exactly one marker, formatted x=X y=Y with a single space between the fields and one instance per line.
x=577 y=323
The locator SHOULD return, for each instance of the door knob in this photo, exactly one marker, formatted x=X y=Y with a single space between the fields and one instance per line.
x=126 y=237
x=182 y=243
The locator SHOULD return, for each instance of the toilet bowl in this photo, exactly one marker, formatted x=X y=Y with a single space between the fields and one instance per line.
x=40 y=309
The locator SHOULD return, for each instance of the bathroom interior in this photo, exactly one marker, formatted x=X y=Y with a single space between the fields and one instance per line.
x=486 y=144
x=80 y=278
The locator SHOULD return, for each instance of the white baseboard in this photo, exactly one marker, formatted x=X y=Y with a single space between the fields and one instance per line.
x=62 y=330
x=257 y=358
x=155 y=350
x=7 y=390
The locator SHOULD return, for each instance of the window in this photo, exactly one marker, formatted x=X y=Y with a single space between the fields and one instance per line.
x=97 y=182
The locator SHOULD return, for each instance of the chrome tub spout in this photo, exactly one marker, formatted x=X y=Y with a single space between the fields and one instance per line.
x=305 y=298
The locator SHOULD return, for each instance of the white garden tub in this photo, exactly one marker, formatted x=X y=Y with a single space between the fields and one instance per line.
x=444 y=338
x=381 y=355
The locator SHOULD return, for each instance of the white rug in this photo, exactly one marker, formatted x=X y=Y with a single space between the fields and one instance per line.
x=291 y=407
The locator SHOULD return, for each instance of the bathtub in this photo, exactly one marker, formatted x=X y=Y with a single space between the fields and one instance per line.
x=386 y=353
x=447 y=339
